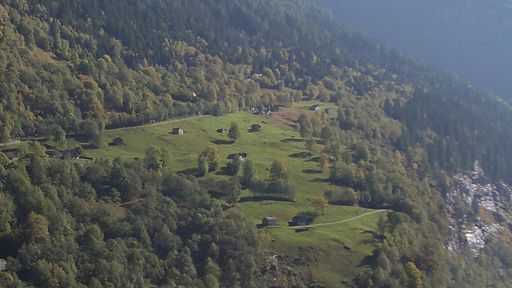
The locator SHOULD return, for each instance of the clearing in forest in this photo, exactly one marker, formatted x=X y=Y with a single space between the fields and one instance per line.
x=333 y=253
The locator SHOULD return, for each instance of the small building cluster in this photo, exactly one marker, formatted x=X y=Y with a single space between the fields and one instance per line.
x=266 y=110
x=299 y=221
x=73 y=154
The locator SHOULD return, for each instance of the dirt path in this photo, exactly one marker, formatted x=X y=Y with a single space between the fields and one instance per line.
x=333 y=223
x=2 y=145
x=159 y=123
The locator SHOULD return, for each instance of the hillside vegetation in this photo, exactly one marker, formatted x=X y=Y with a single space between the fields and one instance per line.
x=308 y=183
x=395 y=133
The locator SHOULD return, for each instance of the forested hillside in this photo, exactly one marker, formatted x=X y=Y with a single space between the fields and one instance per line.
x=76 y=68
x=79 y=228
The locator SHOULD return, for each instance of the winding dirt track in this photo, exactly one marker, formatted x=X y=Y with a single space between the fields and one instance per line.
x=114 y=129
x=159 y=123
x=331 y=223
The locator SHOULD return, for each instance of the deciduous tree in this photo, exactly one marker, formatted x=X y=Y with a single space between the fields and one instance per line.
x=310 y=143
x=323 y=161
x=234 y=132
x=153 y=158
x=323 y=203
x=305 y=126
x=278 y=170
x=248 y=173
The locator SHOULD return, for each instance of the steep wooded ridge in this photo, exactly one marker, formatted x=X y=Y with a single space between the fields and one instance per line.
x=402 y=131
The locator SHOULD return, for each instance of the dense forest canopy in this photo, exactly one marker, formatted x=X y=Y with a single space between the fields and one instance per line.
x=78 y=67
x=82 y=226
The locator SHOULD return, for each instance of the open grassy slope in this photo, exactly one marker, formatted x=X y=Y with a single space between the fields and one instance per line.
x=334 y=253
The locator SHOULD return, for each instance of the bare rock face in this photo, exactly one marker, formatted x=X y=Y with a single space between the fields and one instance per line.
x=478 y=210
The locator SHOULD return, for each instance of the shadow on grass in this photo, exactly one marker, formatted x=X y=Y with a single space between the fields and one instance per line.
x=224 y=171
x=264 y=198
x=368 y=261
x=292 y=140
x=311 y=171
x=299 y=155
x=190 y=171
x=260 y=226
x=300 y=230
x=321 y=180
x=222 y=142
x=343 y=203
x=88 y=146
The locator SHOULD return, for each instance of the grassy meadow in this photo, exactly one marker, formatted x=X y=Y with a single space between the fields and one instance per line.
x=341 y=245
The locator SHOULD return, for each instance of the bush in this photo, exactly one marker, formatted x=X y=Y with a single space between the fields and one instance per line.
x=248 y=171
x=89 y=131
x=233 y=166
x=312 y=214
x=276 y=188
x=345 y=196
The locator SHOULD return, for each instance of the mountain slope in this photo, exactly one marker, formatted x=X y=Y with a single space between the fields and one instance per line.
x=395 y=134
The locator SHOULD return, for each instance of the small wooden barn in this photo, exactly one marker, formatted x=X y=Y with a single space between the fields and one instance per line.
x=301 y=220
x=178 y=131
x=255 y=128
x=117 y=141
x=269 y=221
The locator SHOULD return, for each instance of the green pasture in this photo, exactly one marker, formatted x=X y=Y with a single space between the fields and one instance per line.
x=335 y=252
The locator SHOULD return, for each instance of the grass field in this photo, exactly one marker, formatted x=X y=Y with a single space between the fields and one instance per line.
x=335 y=252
